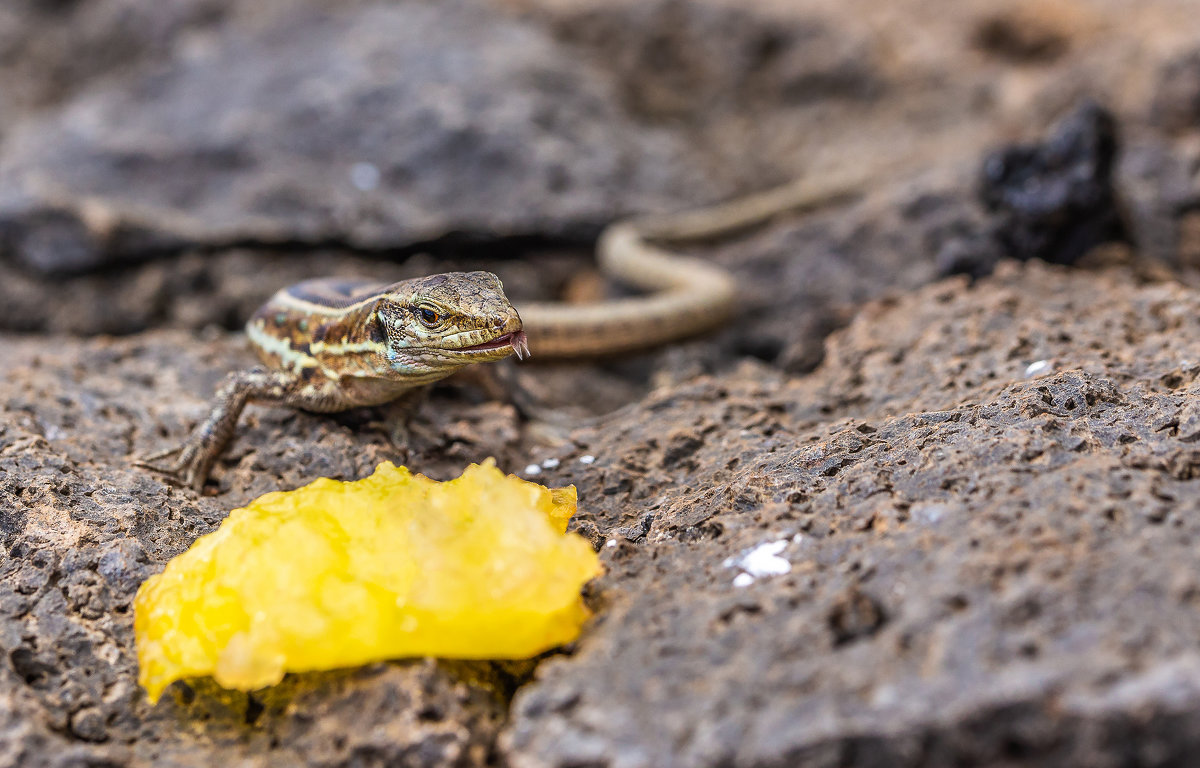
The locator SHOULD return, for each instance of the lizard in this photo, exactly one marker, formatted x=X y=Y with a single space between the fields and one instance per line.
x=333 y=344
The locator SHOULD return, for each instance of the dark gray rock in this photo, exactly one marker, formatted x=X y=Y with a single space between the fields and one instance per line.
x=984 y=496
x=374 y=126
x=682 y=60
x=80 y=529
x=50 y=51
x=1175 y=105
x=1055 y=200
x=1003 y=575
x=746 y=85
x=985 y=493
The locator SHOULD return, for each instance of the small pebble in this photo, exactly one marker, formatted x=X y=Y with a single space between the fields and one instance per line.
x=764 y=560
x=549 y=463
x=743 y=580
x=587 y=458
x=364 y=176
x=533 y=469
x=1037 y=367
x=610 y=543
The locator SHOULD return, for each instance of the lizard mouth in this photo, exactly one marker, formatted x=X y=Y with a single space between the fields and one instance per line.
x=517 y=340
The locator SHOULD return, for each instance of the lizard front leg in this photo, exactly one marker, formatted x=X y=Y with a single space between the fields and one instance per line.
x=397 y=417
x=197 y=454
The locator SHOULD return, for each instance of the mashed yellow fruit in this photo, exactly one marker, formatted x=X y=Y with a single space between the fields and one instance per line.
x=341 y=573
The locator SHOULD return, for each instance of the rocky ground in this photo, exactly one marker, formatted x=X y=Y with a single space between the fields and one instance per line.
x=923 y=502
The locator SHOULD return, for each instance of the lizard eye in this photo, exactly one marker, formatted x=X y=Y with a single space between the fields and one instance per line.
x=429 y=317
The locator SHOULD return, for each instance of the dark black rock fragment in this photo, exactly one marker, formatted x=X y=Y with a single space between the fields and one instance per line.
x=1055 y=200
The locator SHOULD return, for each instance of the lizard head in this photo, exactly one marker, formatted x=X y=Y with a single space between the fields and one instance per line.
x=450 y=320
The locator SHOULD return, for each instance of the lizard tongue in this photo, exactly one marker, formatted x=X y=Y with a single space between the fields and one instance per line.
x=520 y=344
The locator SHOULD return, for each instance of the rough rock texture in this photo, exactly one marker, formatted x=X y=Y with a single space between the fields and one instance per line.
x=80 y=536
x=987 y=499
x=985 y=502
x=977 y=498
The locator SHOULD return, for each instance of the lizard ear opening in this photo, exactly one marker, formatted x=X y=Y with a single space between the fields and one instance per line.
x=377 y=329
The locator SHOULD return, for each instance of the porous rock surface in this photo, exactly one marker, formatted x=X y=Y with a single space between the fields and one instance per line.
x=82 y=532
x=958 y=531
x=986 y=500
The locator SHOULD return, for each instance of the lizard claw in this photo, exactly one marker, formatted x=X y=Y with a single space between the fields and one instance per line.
x=147 y=462
x=184 y=471
x=197 y=454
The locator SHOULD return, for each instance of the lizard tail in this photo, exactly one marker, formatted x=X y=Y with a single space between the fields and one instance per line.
x=685 y=295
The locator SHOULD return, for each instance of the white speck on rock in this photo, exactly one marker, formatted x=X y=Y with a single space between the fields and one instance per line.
x=743 y=580
x=610 y=543
x=533 y=469
x=1037 y=367
x=929 y=513
x=885 y=696
x=549 y=463
x=587 y=458
x=365 y=176
x=763 y=560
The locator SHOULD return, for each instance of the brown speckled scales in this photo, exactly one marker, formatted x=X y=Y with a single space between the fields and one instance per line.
x=329 y=345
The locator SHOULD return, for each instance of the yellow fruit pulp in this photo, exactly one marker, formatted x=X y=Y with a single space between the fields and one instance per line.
x=342 y=573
